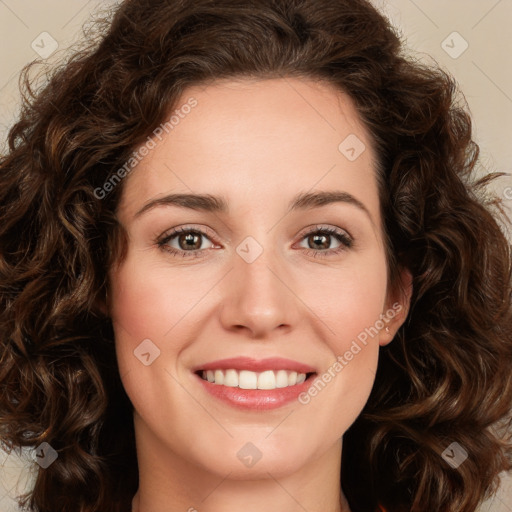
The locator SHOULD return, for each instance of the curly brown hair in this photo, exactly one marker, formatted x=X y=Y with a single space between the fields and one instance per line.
x=445 y=378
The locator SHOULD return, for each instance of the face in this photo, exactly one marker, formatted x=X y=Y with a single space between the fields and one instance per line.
x=272 y=289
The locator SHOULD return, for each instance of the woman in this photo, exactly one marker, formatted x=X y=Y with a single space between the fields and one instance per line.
x=176 y=324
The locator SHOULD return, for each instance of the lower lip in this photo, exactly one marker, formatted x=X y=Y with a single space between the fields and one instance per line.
x=256 y=399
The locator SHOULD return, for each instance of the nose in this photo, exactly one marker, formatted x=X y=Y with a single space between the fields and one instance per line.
x=259 y=297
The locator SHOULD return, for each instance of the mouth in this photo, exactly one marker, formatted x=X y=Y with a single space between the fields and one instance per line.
x=246 y=379
x=247 y=383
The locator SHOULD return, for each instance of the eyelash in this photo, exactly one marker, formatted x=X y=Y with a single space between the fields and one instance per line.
x=346 y=242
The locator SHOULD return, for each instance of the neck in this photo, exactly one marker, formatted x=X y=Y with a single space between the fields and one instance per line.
x=169 y=483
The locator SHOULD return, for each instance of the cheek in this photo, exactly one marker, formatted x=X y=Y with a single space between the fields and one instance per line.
x=359 y=306
x=350 y=301
x=144 y=308
x=147 y=301
x=141 y=314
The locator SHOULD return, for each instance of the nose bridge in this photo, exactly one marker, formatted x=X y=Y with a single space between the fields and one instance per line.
x=259 y=293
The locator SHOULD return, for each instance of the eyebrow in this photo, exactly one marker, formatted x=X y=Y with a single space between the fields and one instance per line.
x=216 y=204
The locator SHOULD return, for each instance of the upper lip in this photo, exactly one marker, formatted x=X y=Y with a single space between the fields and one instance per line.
x=256 y=365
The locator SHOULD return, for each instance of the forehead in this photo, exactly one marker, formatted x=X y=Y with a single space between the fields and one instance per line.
x=265 y=106
x=259 y=138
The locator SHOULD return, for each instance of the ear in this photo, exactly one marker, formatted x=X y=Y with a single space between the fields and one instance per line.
x=398 y=303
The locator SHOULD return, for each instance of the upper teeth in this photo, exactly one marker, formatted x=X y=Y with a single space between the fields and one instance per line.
x=251 y=380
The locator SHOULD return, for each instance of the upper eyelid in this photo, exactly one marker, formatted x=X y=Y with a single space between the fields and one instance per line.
x=205 y=230
x=320 y=227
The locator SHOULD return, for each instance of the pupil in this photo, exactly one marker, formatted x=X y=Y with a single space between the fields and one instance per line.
x=189 y=240
x=317 y=237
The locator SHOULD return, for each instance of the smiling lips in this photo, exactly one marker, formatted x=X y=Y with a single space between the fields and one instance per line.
x=255 y=384
x=246 y=379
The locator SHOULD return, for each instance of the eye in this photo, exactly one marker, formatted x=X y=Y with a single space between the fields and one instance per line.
x=188 y=240
x=319 y=238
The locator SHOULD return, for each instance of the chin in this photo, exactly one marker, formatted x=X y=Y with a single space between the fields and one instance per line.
x=248 y=457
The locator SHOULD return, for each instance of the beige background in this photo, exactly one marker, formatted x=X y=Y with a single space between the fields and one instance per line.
x=470 y=38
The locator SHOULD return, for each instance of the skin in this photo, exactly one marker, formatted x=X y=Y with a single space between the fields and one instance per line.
x=258 y=144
